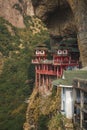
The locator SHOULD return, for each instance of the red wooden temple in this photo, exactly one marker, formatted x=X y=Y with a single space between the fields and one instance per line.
x=47 y=69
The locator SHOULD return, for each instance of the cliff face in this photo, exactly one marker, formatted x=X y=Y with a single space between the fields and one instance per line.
x=15 y=10
x=64 y=17
x=57 y=15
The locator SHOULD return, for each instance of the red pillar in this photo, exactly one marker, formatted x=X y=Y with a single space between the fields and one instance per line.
x=36 y=81
x=44 y=67
x=47 y=67
x=39 y=80
x=61 y=70
x=54 y=69
x=47 y=80
x=39 y=76
x=57 y=72
x=36 y=76
x=43 y=80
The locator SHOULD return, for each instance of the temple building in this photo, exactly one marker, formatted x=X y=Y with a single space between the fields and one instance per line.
x=59 y=68
x=50 y=64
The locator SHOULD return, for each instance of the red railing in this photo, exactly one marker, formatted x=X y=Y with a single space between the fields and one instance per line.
x=55 y=62
x=42 y=61
x=61 y=62
x=35 y=61
x=48 y=72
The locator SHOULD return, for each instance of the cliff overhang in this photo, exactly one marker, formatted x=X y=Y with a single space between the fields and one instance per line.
x=65 y=17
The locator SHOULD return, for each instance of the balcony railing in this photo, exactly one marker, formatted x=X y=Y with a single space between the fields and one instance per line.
x=42 y=61
x=65 y=62
x=35 y=61
x=49 y=72
x=55 y=62
x=46 y=61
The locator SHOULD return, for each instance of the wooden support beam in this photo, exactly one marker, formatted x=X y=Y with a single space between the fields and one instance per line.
x=57 y=72
x=36 y=76
x=43 y=80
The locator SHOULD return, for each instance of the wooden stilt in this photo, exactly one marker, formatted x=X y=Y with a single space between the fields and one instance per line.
x=36 y=76
x=43 y=81
x=57 y=72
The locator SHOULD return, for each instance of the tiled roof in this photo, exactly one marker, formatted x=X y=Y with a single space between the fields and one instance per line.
x=69 y=76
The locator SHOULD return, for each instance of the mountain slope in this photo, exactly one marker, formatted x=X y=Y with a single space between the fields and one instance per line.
x=17 y=77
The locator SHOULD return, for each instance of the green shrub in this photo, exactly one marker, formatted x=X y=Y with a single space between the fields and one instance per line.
x=42 y=122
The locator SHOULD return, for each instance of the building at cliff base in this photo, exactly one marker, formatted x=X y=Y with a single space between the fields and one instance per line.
x=74 y=96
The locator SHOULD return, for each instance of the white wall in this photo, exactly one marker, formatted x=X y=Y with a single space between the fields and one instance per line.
x=66 y=96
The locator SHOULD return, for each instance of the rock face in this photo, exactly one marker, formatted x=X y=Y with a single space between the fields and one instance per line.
x=65 y=17
x=14 y=10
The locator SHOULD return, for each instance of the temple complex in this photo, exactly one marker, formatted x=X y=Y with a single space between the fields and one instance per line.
x=50 y=64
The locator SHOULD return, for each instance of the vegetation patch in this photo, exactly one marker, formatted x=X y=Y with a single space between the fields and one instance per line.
x=17 y=77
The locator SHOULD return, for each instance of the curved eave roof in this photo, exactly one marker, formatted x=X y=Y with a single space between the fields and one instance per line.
x=42 y=48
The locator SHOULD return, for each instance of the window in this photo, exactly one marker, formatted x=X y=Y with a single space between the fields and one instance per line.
x=42 y=52
x=37 y=52
x=59 y=52
x=65 y=52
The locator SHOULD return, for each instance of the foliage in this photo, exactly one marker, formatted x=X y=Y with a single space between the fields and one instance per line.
x=54 y=91
x=5 y=38
x=14 y=88
x=13 y=92
x=27 y=19
x=42 y=122
x=42 y=109
x=56 y=122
